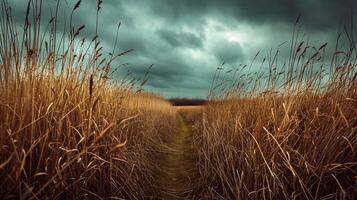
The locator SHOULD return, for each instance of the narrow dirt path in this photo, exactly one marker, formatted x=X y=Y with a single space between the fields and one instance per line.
x=173 y=176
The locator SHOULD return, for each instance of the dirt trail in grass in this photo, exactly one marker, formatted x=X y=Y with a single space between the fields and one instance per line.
x=173 y=176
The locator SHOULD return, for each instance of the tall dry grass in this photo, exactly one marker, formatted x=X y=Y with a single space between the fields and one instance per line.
x=291 y=135
x=66 y=130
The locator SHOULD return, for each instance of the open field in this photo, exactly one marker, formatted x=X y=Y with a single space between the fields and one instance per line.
x=189 y=108
x=67 y=131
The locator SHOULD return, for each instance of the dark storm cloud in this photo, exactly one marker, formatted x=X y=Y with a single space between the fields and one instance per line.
x=178 y=39
x=228 y=52
x=187 y=39
x=316 y=14
x=164 y=67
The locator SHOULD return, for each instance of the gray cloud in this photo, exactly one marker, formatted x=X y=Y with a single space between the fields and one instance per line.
x=187 y=39
x=177 y=39
x=229 y=52
x=317 y=14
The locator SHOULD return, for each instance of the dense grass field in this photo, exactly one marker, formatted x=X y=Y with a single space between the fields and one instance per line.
x=69 y=131
x=66 y=130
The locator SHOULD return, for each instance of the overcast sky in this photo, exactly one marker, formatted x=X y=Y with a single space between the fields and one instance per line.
x=187 y=39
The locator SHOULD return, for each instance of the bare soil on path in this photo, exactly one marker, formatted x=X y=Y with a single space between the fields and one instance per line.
x=175 y=164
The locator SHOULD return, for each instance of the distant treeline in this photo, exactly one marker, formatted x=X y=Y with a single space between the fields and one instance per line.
x=187 y=102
